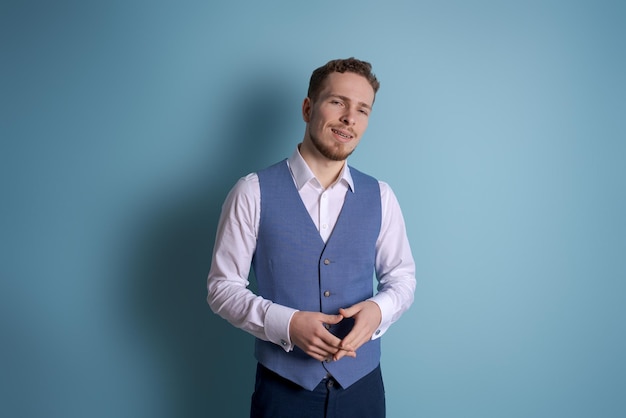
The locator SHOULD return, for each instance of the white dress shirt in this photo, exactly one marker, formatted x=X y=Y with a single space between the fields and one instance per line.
x=227 y=283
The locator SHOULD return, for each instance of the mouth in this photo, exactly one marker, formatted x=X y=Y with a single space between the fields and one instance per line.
x=341 y=135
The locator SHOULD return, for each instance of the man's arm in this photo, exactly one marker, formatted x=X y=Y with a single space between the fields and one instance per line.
x=227 y=284
x=395 y=271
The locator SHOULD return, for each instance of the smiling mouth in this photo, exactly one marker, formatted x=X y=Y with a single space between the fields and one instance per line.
x=342 y=134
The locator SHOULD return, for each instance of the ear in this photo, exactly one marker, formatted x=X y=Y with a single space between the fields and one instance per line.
x=306 y=110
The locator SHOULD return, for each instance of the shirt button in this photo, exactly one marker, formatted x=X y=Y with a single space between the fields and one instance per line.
x=377 y=332
x=324 y=226
x=283 y=343
x=327 y=293
x=327 y=261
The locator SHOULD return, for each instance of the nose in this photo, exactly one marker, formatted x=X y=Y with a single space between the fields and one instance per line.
x=348 y=118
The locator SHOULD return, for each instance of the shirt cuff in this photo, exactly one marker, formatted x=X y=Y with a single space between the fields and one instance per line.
x=385 y=304
x=276 y=324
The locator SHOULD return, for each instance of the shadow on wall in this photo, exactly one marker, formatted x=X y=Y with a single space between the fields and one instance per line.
x=206 y=366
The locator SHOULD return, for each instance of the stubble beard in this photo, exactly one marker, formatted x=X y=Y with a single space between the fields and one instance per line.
x=334 y=153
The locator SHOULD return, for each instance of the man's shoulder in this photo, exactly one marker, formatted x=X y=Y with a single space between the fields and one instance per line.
x=246 y=185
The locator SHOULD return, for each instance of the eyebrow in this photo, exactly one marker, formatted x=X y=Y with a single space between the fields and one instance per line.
x=347 y=99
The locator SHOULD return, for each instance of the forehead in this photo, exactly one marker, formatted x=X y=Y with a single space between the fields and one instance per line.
x=350 y=85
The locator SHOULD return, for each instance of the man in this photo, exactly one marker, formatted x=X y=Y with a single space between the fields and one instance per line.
x=316 y=231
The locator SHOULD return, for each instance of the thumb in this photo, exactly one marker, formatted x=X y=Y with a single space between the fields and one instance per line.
x=332 y=319
x=350 y=312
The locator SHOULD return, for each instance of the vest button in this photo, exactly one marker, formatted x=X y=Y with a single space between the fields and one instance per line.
x=327 y=293
x=326 y=326
x=327 y=261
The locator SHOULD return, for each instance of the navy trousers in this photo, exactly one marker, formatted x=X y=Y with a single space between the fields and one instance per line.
x=277 y=397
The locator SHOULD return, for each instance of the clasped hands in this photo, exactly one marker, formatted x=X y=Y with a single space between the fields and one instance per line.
x=307 y=331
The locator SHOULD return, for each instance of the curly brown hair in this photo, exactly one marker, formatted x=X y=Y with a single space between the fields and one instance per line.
x=351 y=65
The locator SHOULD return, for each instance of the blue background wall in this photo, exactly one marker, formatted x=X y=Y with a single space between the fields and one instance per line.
x=500 y=125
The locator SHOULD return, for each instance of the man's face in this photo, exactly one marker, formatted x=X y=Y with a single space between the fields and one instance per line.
x=338 y=118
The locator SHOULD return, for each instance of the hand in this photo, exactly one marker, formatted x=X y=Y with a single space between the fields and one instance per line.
x=367 y=317
x=307 y=331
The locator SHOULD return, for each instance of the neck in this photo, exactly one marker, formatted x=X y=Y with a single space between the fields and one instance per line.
x=326 y=171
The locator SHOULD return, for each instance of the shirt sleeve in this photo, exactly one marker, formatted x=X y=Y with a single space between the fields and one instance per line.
x=228 y=294
x=395 y=267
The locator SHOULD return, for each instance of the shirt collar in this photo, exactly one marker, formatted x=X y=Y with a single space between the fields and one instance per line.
x=302 y=174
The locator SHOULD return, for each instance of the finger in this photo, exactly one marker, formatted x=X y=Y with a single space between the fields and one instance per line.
x=358 y=336
x=318 y=357
x=333 y=346
x=330 y=342
x=326 y=342
x=366 y=319
x=321 y=351
x=353 y=340
x=350 y=312
x=331 y=319
x=344 y=353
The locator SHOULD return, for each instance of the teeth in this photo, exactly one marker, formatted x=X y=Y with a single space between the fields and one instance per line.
x=341 y=134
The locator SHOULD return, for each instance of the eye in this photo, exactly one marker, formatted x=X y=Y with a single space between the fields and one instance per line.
x=364 y=112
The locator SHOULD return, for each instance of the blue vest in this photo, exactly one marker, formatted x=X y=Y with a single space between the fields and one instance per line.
x=295 y=268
